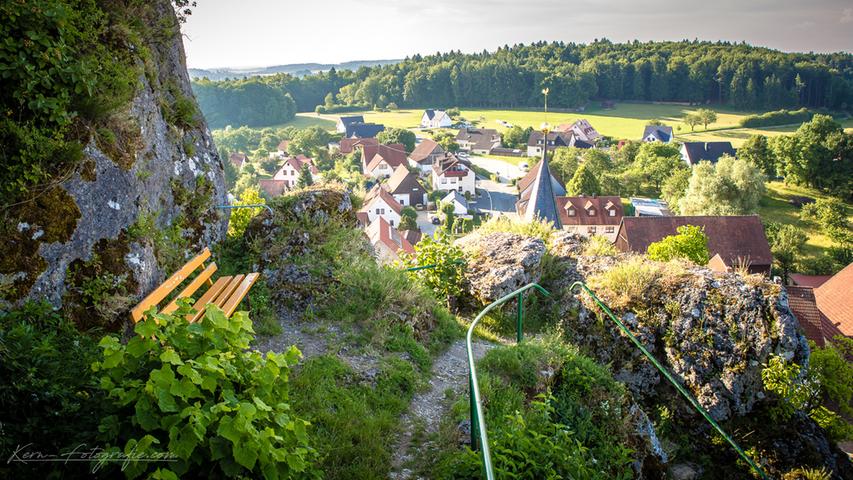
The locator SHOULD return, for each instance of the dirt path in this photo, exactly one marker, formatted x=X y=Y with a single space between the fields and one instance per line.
x=449 y=371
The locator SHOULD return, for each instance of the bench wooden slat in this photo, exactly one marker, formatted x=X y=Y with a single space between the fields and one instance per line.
x=239 y=293
x=197 y=282
x=166 y=288
x=206 y=298
x=221 y=297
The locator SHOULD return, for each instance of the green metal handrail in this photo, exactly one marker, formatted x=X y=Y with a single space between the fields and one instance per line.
x=669 y=377
x=478 y=422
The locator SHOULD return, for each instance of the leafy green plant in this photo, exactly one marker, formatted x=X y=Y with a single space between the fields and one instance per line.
x=598 y=245
x=446 y=277
x=690 y=243
x=240 y=217
x=792 y=391
x=538 y=228
x=195 y=389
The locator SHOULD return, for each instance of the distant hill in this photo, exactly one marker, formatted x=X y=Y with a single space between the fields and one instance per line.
x=296 y=69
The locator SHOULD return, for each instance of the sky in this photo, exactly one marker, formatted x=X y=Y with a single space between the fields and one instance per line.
x=255 y=33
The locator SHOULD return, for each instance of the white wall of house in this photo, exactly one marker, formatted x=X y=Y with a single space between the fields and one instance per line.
x=378 y=208
x=410 y=199
x=461 y=184
x=607 y=231
x=383 y=170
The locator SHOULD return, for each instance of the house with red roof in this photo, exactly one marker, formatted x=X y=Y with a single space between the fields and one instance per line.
x=589 y=216
x=286 y=177
x=732 y=240
x=238 y=160
x=380 y=203
x=425 y=154
x=379 y=161
x=824 y=307
x=581 y=129
x=387 y=241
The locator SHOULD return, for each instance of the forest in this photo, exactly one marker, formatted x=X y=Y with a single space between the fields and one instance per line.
x=724 y=73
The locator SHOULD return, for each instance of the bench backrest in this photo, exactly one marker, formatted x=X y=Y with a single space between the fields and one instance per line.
x=154 y=298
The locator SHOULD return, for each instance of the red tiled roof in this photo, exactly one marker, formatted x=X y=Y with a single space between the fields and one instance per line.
x=299 y=160
x=735 y=238
x=393 y=153
x=348 y=145
x=835 y=299
x=815 y=325
x=813 y=281
x=273 y=188
x=581 y=205
x=282 y=146
x=450 y=166
x=381 y=231
x=378 y=192
x=238 y=159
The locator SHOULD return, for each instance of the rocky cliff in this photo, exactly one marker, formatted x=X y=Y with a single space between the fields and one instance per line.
x=140 y=200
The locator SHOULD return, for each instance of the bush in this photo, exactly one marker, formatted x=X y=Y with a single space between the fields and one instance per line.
x=195 y=389
x=48 y=394
x=537 y=228
x=690 y=243
x=778 y=117
x=446 y=278
x=598 y=245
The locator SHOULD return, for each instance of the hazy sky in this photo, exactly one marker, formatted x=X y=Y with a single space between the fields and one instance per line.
x=244 y=33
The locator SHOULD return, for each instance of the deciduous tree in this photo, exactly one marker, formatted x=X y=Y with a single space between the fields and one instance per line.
x=731 y=187
x=689 y=243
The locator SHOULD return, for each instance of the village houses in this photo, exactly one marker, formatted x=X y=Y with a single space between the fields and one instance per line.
x=435 y=119
x=694 y=152
x=387 y=241
x=286 y=177
x=380 y=203
x=478 y=140
x=582 y=129
x=405 y=187
x=449 y=173
x=424 y=154
x=657 y=133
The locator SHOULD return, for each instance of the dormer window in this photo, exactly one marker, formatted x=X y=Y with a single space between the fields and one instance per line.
x=612 y=213
x=571 y=212
x=591 y=212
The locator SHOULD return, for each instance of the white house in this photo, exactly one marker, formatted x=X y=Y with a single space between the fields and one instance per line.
x=435 y=119
x=406 y=188
x=424 y=154
x=449 y=173
x=582 y=129
x=379 y=167
x=460 y=205
x=657 y=133
x=387 y=241
x=289 y=172
x=380 y=203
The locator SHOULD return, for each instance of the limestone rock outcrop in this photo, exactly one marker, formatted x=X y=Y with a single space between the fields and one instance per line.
x=500 y=263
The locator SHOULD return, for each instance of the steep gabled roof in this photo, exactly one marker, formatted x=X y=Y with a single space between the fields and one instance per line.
x=430 y=113
x=380 y=231
x=601 y=208
x=734 y=238
x=363 y=130
x=394 y=154
x=377 y=192
x=455 y=196
x=450 y=166
x=297 y=162
x=402 y=181
x=348 y=145
x=482 y=138
x=661 y=132
x=541 y=203
x=710 y=151
x=815 y=325
x=424 y=149
x=835 y=299
x=528 y=178
x=238 y=159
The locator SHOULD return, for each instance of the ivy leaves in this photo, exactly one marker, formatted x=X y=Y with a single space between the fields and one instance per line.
x=196 y=390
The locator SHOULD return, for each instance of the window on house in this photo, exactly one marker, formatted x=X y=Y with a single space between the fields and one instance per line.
x=612 y=213
x=609 y=229
x=571 y=212
x=391 y=222
x=402 y=201
x=591 y=229
x=591 y=212
x=443 y=179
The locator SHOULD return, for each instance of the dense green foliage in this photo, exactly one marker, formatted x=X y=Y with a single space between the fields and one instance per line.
x=832 y=366
x=445 y=279
x=240 y=217
x=398 y=135
x=786 y=245
x=194 y=389
x=572 y=426
x=253 y=102
x=729 y=187
x=830 y=214
x=60 y=63
x=819 y=154
x=583 y=182
x=689 y=243
x=778 y=117
x=48 y=395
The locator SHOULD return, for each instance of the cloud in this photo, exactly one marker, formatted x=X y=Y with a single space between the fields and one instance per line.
x=846 y=16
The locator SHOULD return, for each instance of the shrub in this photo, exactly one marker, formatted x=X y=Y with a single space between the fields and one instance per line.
x=598 y=245
x=792 y=391
x=538 y=228
x=627 y=282
x=832 y=367
x=195 y=389
x=690 y=243
x=778 y=117
x=446 y=278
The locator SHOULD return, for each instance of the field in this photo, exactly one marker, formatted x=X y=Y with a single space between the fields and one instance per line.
x=776 y=206
x=306 y=120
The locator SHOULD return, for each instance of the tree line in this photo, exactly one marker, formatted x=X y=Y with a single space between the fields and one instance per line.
x=723 y=73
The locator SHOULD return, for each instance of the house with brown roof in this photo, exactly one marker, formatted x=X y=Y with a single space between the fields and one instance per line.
x=238 y=160
x=281 y=149
x=816 y=326
x=387 y=241
x=405 y=187
x=812 y=281
x=589 y=216
x=478 y=140
x=424 y=154
x=582 y=129
x=380 y=203
x=286 y=177
x=379 y=161
x=732 y=240
x=349 y=145
x=835 y=300
x=450 y=173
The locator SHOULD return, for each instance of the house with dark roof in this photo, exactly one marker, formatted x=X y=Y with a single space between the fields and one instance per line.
x=538 y=200
x=812 y=281
x=581 y=129
x=380 y=160
x=405 y=187
x=387 y=241
x=450 y=173
x=694 y=152
x=657 y=133
x=363 y=130
x=380 y=203
x=344 y=122
x=733 y=241
x=460 y=205
x=589 y=216
x=525 y=183
x=238 y=160
x=478 y=140
x=424 y=154
x=435 y=119
x=536 y=142
x=349 y=145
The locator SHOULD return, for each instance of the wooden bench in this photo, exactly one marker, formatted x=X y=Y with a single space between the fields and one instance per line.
x=226 y=292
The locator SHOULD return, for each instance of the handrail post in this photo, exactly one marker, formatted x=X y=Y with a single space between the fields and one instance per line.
x=520 y=320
